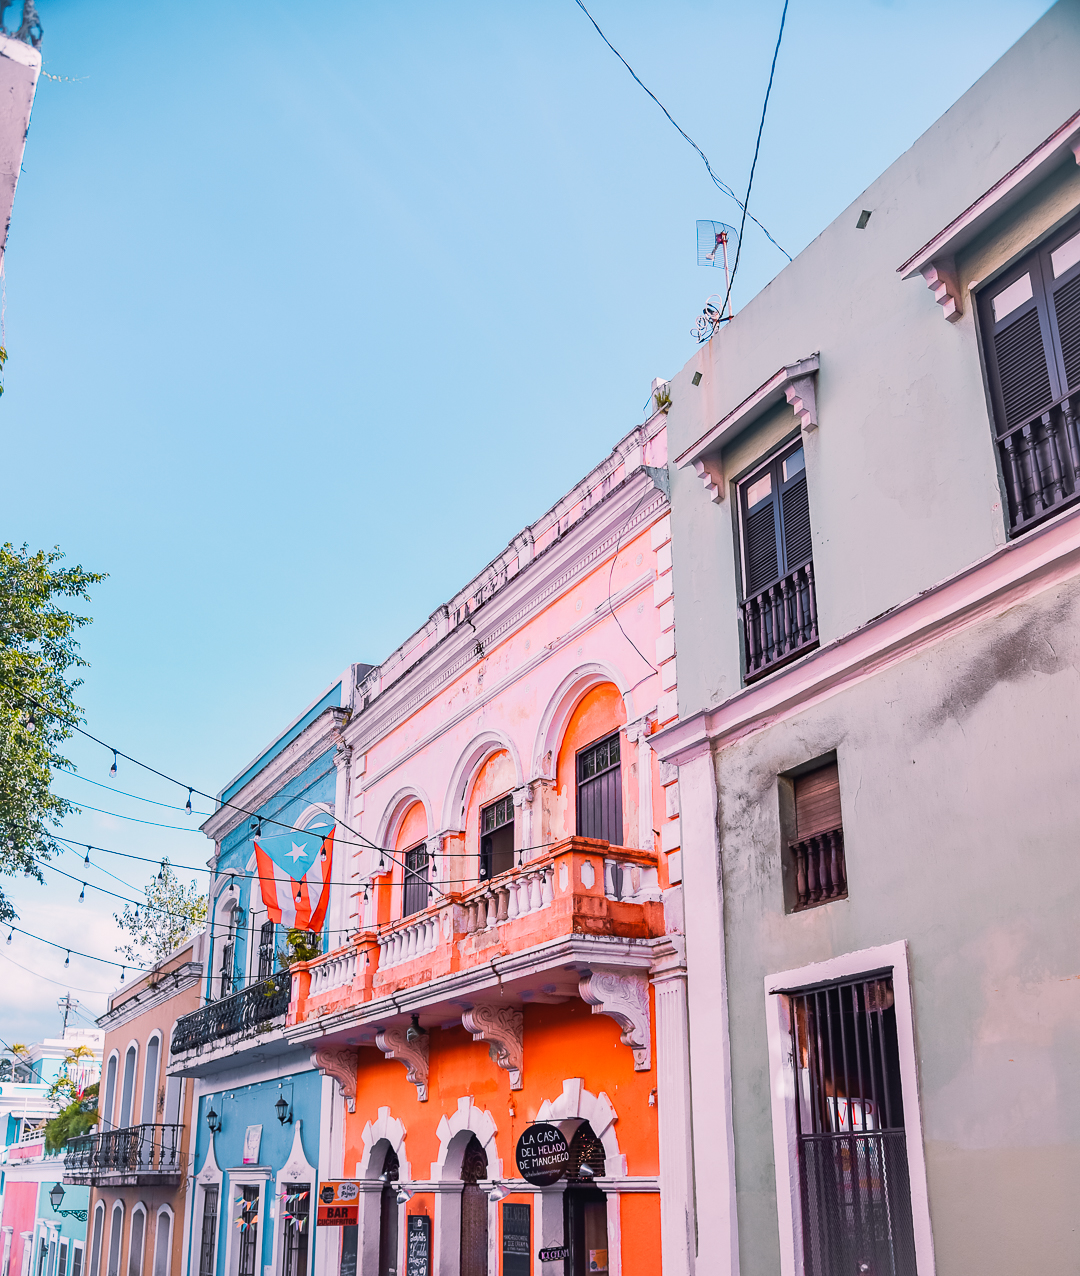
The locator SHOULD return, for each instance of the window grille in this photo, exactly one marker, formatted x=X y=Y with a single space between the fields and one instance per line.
x=266 y=950
x=225 y=983
x=297 y=1208
x=599 y=791
x=1030 y=320
x=818 y=850
x=497 y=837
x=208 y=1239
x=416 y=880
x=249 y=1232
x=780 y=600
x=852 y=1150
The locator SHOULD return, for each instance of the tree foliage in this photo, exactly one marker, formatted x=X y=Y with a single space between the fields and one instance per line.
x=172 y=912
x=38 y=650
x=74 y=1119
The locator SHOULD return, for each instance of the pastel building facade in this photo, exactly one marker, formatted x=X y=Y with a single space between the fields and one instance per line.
x=876 y=529
x=43 y=1229
x=514 y=951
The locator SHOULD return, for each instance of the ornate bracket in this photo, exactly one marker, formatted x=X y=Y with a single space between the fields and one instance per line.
x=413 y=1054
x=624 y=998
x=941 y=279
x=502 y=1028
x=801 y=393
x=341 y=1065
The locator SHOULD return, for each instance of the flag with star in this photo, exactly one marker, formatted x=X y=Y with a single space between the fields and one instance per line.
x=294 y=874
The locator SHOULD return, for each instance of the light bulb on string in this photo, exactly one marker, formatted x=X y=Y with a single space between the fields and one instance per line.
x=10 y=934
x=112 y=769
x=161 y=872
x=86 y=860
x=135 y=919
x=67 y=959
x=122 y=969
x=187 y=804
x=82 y=893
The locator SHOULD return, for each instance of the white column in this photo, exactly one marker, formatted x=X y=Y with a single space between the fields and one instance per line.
x=638 y=733
x=328 y=1239
x=673 y=1112
x=548 y=1226
x=707 y=1006
x=446 y=1229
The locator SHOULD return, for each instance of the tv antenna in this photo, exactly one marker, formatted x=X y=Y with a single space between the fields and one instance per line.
x=713 y=239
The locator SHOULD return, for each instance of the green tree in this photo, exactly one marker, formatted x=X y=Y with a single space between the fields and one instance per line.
x=74 y=1119
x=172 y=912
x=38 y=650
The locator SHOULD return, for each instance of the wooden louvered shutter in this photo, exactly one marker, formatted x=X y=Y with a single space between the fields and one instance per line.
x=761 y=560
x=1023 y=375
x=817 y=802
x=1067 y=312
x=795 y=505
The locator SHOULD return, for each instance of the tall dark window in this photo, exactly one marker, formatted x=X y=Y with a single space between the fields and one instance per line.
x=388 y=1215
x=818 y=849
x=852 y=1149
x=266 y=950
x=249 y=1232
x=1030 y=319
x=599 y=791
x=780 y=603
x=497 y=837
x=297 y=1202
x=225 y=983
x=416 y=880
x=474 y=1212
x=208 y=1238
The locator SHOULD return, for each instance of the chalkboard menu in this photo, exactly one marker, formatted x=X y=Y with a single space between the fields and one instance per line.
x=348 y=1251
x=418 y=1246
x=516 y=1233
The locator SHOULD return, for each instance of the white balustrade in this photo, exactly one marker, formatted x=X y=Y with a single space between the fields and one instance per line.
x=334 y=971
x=414 y=939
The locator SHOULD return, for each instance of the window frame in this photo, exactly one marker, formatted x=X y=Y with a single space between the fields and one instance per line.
x=410 y=876
x=773 y=460
x=865 y=962
x=595 y=778
x=506 y=801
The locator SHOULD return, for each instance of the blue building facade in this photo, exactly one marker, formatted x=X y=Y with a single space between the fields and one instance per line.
x=263 y=1112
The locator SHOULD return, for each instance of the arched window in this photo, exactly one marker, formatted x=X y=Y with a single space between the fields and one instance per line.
x=150 y=1080
x=410 y=848
x=116 y=1239
x=163 y=1242
x=590 y=771
x=474 y=1212
x=137 y=1241
x=106 y=1109
x=388 y=1214
x=96 y=1237
x=127 y=1092
x=490 y=831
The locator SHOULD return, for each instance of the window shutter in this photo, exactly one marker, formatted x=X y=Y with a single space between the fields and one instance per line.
x=1022 y=370
x=796 y=509
x=761 y=564
x=1067 y=309
x=817 y=802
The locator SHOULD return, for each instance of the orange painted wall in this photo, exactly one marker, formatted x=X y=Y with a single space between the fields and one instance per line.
x=640 y=1219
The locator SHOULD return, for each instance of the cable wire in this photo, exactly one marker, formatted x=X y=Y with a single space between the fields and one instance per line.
x=720 y=185
x=138 y=798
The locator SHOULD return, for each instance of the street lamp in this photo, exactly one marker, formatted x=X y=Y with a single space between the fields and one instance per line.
x=284 y=1112
x=56 y=1199
x=213 y=1120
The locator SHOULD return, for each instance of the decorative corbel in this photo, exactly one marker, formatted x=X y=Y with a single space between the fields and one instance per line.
x=941 y=279
x=802 y=395
x=413 y=1054
x=623 y=997
x=712 y=477
x=341 y=1065
x=502 y=1028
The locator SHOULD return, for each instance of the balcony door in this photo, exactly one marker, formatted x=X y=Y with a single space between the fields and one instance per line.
x=388 y=1216
x=599 y=791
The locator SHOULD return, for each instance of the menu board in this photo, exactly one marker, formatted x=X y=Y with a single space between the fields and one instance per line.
x=516 y=1231
x=418 y=1246
x=348 y=1251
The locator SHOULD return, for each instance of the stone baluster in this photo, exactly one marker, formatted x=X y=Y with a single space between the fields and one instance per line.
x=536 y=893
x=492 y=909
x=547 y=895
x=502 y=912
x=512 y=909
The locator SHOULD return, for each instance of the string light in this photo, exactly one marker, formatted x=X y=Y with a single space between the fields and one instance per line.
x=82 y=893
x=187 y=804
x=122 y=969
x=10 y=933
x=112 y=769
x=67 y=959
x=87 y=859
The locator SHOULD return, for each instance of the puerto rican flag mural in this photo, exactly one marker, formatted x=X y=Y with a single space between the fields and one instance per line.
x=294 y=873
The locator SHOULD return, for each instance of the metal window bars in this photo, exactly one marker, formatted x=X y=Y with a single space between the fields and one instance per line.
x=242 y=1012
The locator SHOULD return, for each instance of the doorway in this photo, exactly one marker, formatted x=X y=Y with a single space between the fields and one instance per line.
x=585 y=1206
x=388 y=1216
x=474 y=1211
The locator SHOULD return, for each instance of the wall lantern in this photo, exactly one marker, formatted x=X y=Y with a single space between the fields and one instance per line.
x=56 y=1199
x=403 y=1193
x=213 y=1120
x=497 y=1193
x=414 y=1032
x=284 y=1112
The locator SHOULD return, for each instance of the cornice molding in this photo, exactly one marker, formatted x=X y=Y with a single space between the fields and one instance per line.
x=173 y=983
x=1010 y=575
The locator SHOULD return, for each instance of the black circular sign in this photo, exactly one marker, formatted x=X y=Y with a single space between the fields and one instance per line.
x=542 y=1155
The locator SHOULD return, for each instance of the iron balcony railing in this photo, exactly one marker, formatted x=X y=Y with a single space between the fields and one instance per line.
x=240 y=1013
x=820 y=871
x=780 y=622
x=138 y=1154
x=1040 y=462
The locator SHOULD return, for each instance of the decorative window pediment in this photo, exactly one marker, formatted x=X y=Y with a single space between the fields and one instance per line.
x=936 y=260
x=797 y=383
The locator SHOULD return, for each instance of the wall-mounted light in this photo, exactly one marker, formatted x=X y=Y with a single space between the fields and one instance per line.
x=213 y=1120
x=414 y=1032
x=497 y=1193
x=56 y=1199
x=586 y=1172
x=284 y=1111
x=403 y=1193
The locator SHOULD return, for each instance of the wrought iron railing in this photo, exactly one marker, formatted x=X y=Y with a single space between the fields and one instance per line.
x=820 y=871
x=1040 y=462
x=242 y=1012
x=781 y=621
x=152 y=1150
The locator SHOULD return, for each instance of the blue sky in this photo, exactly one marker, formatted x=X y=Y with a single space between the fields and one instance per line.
x=307 y=315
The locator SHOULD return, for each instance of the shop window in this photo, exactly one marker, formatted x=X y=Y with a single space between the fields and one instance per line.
x=599 y=791
x=296 y=1220
x=416 y=880
x=497 y=837
x=1030 y=322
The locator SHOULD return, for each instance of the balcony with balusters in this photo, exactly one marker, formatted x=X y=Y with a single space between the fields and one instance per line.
x=780 y=622
x=138 y=1156
x=579 y=888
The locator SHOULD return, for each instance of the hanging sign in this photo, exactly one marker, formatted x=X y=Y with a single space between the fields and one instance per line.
x=554 y=1254
x=339 y=1203
x=418 y=1246
x=542 y=1155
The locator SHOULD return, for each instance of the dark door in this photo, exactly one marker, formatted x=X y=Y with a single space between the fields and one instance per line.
x=599 y=791
x=249 y=1231
x=474 y=1211
x=388 y=1217
x=585 y=1212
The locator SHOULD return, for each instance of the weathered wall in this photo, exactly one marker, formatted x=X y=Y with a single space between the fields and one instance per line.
x=960 y=808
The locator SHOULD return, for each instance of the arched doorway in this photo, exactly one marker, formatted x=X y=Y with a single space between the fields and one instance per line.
x=474 y=1210
x=585 y=1206
x=388 y=1215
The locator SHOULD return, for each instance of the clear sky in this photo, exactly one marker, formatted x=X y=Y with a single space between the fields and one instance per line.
x=310 y=308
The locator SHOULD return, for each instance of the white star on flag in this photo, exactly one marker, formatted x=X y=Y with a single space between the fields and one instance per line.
x=297 y=852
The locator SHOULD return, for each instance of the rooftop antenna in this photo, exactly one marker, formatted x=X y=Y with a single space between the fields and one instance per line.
x=713 y=239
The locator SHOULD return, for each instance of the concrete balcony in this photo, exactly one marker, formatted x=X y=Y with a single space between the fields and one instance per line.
x=536 y=933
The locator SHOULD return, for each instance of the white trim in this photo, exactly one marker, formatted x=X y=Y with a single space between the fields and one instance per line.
x=390 y=1129
x=117 y=1205
x=577 y=1103
x=209 y=1176
x=95 y=1253
x=138 y=1208
x=296 y=1169
x=107 y=1117
x=886 y=956
x=560 y=709
x=168 y=1212
x=478 y=1121
x=397 y=808
x=126 y=1119
x=480 y=748
x=158 y=1035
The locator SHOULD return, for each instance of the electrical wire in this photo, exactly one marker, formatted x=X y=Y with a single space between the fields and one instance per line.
x=720 y=185
x=611 y=577
x=104 y=961
x=753 y=166
x=109 y=788
x=134 y=819
x=92 y=992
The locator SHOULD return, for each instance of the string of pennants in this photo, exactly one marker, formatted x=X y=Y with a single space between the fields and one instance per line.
x=290 y=1201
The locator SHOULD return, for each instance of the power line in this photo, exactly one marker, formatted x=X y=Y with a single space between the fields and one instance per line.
x=720 y=185
x=92 y=992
